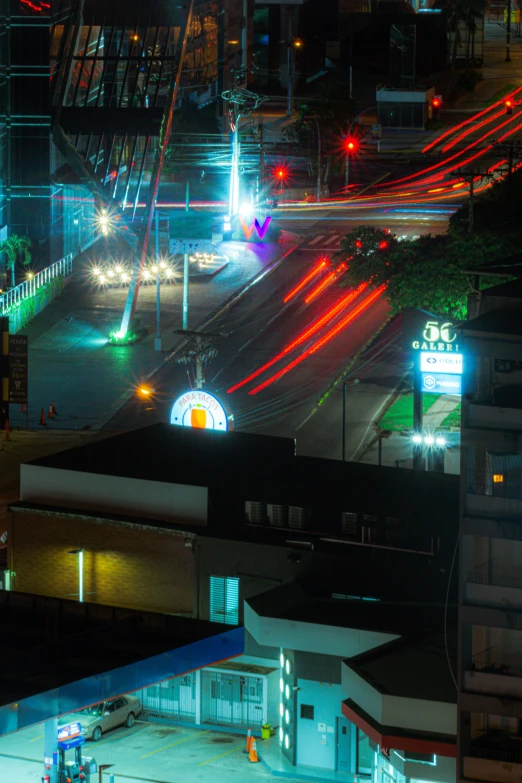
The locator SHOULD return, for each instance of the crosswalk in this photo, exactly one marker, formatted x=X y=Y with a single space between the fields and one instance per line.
x=323 y=242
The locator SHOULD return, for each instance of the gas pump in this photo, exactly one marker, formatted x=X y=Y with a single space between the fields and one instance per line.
x=78 y=770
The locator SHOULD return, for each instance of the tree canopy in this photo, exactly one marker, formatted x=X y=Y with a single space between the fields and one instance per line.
x=426 y=272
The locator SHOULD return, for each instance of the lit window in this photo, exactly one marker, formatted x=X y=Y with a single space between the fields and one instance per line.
x=498 y=478
x=224 y=600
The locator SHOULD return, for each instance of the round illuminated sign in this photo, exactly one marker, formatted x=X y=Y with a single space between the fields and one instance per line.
x=200 y=410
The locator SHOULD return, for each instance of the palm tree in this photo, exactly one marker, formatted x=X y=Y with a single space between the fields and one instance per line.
x=15 y=247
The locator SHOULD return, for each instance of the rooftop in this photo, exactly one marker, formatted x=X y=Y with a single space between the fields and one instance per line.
x=413 y=667
x=496 y=321
x=265 y=468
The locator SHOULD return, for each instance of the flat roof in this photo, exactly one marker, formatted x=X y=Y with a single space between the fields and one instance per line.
x=297 y=603
x=414 y=667
x=496 y=322
x=266 y=468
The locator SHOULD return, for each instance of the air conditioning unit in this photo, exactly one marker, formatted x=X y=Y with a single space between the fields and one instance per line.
x=254 y=512
x=277 y=515
x=297 y=518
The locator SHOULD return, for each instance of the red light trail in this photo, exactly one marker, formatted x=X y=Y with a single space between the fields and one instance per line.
x=370 y=299
x=299 y=287
x=318 y=324
x=328 y=280
x=467 y=122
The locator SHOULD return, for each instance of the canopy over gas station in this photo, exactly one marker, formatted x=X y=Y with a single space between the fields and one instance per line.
x=60 y=655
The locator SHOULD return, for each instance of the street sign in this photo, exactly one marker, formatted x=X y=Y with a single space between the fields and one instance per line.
x=190 y=232
x=441 y=383
x=450 y=363
x=18 y=369
x=69 y=731
x=181 y=246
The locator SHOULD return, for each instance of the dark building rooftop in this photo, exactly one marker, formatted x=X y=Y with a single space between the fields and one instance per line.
x=258 y=467
x=414 y=667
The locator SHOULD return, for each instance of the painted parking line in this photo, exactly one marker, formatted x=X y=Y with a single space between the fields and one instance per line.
x=316 y=239
x=40 y=736
x=121 y=735
x=173 y=744
x=215 y=758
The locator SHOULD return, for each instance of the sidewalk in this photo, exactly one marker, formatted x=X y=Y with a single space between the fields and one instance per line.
x=71 y=362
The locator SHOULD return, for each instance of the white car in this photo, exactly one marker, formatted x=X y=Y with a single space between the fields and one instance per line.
x=99 y=718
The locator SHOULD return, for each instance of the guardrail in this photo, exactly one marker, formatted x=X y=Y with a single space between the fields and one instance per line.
x=29 y=287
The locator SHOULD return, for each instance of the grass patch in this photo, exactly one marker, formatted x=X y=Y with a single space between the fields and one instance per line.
x=452 y=420
x=399 y=416
x=500 y=94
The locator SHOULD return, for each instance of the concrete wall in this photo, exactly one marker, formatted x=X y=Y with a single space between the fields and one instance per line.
x=123 y=566
x=179 y=503
x=317 y=744
x=419 y=714
x=362 y=693
x=312 y=637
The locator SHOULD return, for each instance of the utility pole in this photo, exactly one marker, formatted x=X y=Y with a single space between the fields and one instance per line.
x=186 y=269
x=241 y=104
x=469 y=177
x=201 y=351
x=512 y=150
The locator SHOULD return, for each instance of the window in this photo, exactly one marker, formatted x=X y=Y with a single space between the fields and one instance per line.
x=307 y=711
x=224 y=600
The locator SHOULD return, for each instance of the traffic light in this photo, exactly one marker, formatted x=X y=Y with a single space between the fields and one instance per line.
x=509 y=107
x=350 y=145
x=436 y=103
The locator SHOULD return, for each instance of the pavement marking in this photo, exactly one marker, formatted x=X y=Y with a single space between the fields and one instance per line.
x=173 y=744
x=121 y=735
x=334 y=238
x=215 y=758
x=41 y=736
x=20 y=758
x=317 y=239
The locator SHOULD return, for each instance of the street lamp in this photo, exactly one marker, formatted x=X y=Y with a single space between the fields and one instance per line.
x=79 y=552
x=293 y=45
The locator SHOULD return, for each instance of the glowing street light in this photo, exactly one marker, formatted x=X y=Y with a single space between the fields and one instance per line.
x=79 y=552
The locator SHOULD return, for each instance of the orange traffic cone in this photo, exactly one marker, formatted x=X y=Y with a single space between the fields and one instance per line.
x=252 y=755
x=50 y=415
x=248 y=741
x=7 y=430
x=42 y=421
x=53 y=408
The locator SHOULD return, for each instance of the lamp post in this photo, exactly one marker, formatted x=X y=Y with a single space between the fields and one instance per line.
x=79 y=552
x=157 y=339
x=294 y=44
x=343 y=439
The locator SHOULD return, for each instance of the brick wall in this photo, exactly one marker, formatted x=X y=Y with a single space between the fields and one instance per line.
x=123 y=566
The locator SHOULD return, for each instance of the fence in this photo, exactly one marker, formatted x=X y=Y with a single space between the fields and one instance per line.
x=28 y=288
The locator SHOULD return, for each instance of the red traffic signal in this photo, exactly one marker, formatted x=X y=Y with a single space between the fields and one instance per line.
x=509 y=107
x=436 y=103
x=281 y=174
x=350 y=145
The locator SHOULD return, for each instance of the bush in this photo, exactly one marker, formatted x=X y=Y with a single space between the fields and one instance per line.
x=24 y=312
x=466 y=82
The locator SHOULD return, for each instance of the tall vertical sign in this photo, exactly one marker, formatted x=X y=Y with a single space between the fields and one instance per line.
x=4 y=371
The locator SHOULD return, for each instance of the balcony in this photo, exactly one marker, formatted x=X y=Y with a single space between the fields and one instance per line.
x=489 y=584
x=492 y=416
x=485 y=675
x=496 y=757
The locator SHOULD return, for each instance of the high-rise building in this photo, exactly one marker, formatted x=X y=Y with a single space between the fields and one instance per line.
x=83 y=91
x=490 y=571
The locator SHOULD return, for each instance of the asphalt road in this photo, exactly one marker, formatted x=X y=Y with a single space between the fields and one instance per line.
x=259 y=327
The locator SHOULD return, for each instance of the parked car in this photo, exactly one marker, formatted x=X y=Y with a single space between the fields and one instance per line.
x=104 y=716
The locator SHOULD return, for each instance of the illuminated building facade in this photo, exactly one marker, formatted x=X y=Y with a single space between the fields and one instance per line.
x=490 y=541
x=83 y=88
